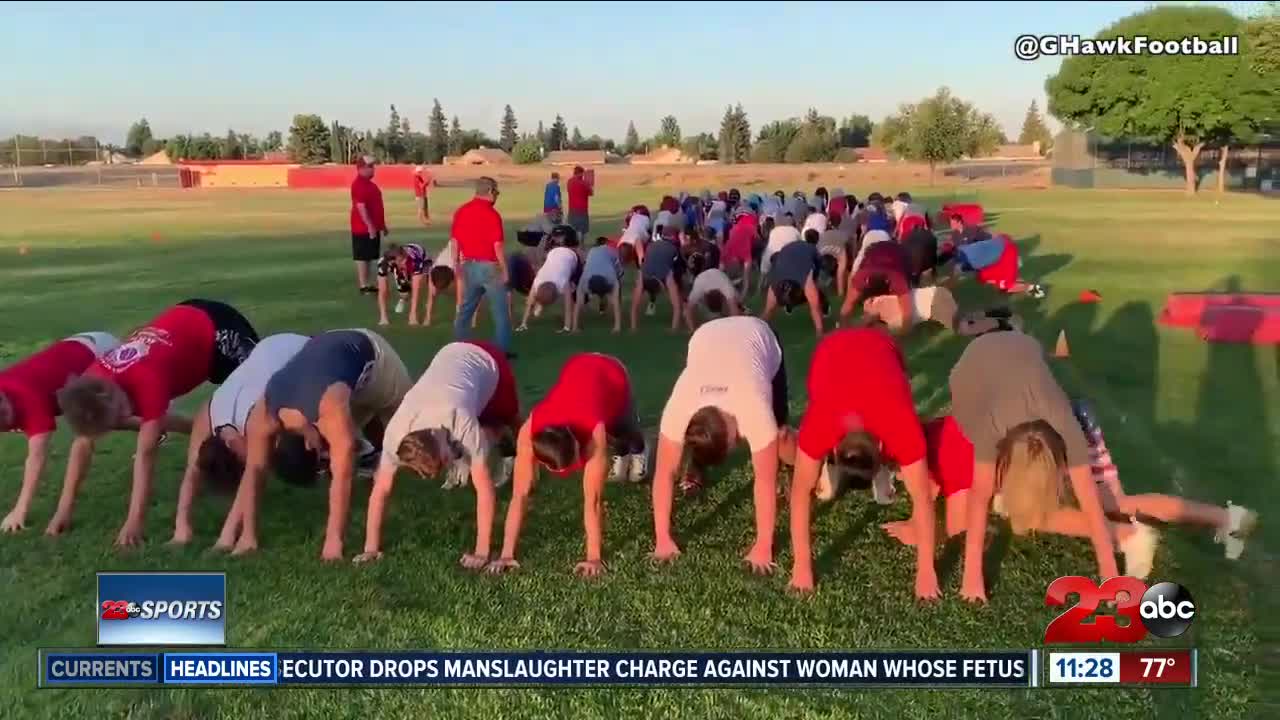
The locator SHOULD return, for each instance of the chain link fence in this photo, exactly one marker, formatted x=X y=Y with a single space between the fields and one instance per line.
x=30 y=161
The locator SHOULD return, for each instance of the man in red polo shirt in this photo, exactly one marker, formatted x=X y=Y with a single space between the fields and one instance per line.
x=860 y=409
x=588 y=415
x=422 y=183
x=580 y=192
x=29 y=404
x=131 y=388
x=368 y=223
x=480 y=263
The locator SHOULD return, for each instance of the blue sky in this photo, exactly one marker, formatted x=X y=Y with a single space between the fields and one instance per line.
x=93 y=68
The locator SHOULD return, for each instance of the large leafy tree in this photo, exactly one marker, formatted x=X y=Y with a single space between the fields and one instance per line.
x=939 y=129
x=668 y=132
x=855 y=131
x=139 y=135
x=775 y=137
x=1186 y=101
x=308 y=140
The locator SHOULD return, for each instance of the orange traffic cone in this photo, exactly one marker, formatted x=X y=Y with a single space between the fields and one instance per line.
x=1061 y=350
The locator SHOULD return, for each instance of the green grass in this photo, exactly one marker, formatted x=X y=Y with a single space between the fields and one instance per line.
x=1182 y=416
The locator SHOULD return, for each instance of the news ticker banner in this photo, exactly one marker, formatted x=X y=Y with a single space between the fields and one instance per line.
x=931 y=669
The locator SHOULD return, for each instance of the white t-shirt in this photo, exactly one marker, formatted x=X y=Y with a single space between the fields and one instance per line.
x=557 y=269
x=870 y=238
x=236 y=396
x=445 y=258
x=708 y=280
x=780 y=237
x=815 y=221
x=99 y=342
x=730 y=366
x=451 y=394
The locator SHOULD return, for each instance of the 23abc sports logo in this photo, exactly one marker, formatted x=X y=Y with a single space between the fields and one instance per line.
x=1165 y=610
x=160 y=610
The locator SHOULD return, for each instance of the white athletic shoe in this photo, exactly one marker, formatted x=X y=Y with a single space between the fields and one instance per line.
x=997 y=505
x=651 y=310
x=459 y=475
x=882 y=487
x=1240 y=523
x=400 y=306
x=537 y=311
x=639 y=464
x=506 y=471
x=826 y=488
x=620 y=468
x=1140 y=550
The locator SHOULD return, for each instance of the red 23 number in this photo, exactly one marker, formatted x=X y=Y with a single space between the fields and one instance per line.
x=1069 y=626
x=115 y=610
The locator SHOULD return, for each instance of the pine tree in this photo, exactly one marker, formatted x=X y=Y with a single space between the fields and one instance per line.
x=576 y=140
x=1034 y=129
x=507 y=136
x=631 y=144
x=558 y=135
x=743 y=150
x=437 y=135
x=455 y=137
x=541 y=136
x=393 y=140
x=729 y=137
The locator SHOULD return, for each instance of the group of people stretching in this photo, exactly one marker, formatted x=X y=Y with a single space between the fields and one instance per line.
x=311 y=409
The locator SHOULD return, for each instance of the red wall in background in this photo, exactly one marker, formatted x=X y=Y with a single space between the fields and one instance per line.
x=388 y=177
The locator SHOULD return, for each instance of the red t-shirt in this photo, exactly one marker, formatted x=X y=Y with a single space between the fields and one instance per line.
x=909 y=223
x=836 y=209
x=32 y=384
x=364 y=190
x=421 y=184
x=579 y=193
x=592 y=389
x=669 y=204
x=741 y=237
x=950 y=455
x=162 y=360
x=477 y=227
x=858 y=381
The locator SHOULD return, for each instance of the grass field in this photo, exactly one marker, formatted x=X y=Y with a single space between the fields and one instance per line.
x=1181 y=416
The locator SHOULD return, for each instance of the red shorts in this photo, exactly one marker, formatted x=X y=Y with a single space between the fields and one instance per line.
x=898 y=283
x=503 y=409
x=1004 y=272
x=950 y=455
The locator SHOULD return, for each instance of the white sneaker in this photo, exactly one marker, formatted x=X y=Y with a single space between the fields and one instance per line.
x=1140 y=550
x=400 y=306
x=1240 y=523
x=459 y=475
x=651 y=310
x=620 y=468
x=882 y=487
x=997 y=505
x=506 y=471
x=826 y=488
x=639 y=469
x=537 y=311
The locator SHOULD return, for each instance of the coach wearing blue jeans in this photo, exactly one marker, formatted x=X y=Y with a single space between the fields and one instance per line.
x=482 y=265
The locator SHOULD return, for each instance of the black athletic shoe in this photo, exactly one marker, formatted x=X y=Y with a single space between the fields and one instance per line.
x=368 y=290
x=511 y=356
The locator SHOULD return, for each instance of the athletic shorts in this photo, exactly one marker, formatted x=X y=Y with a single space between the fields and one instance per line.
x=529 y=238
x=1004 y=272
x=503 y=408
x=365 y=248
x=624 y=433
x=898 y=283
x=579 y=221
x=233 y=339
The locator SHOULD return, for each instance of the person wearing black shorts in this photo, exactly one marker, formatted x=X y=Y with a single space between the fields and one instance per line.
x=660 y=265
x=792 y=280
x=368 y=222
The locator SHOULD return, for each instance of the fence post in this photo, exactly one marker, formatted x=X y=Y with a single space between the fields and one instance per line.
x=17 y=161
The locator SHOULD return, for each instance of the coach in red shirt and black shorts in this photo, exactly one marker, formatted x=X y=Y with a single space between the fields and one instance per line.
x=368 y=223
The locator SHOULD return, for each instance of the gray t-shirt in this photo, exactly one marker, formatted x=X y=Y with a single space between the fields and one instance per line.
x=602 y=261
x=833 y=241
x=660 y=259
x=1002 y=381
x=236 y=396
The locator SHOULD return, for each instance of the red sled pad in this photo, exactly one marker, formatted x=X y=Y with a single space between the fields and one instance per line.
x=972 y=213
x=1240 y=324
x=1187 y=309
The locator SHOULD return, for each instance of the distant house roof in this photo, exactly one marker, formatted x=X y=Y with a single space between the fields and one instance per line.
x=277 y=156
x=871 y=155
x=662 y=156
x=480 y=156
x=1017 y=152
x=158 y=158
x=576 y=157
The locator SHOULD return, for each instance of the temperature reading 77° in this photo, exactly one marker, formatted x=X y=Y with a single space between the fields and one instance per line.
x=1158 y=663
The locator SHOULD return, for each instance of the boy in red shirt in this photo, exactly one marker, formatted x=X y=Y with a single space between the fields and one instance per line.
x=368 y=222
x=860 y=409
x=29 y=404
x=422 y=183
x=736 y=255
x=587 y=415
x=131 y=388
x=580 y=191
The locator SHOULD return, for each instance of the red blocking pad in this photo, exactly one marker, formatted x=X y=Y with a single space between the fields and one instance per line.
x=1241 y=324
x=1186 y=309
x=972 y=213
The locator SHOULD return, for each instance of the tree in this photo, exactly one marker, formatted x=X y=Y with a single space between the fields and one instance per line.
x=340 y=150
x=855 y=131
x=393 y=139
x=1034 y=130
x=527 y=152
x=507 y=133
x=775 y=137
x=816 y=141
x=558 y=135
x=437 y=134
x=575 y=140
x=176 y=147
x=542 y=136
x=139 y=133
x=743 y=142
x=703 y=146
x=730 y=131
x=631 y=143
x=1186 y=101
x=274 y=142
x=231 y=148
x=308 y=140
x=668 y=132
x=1262 y=41
x=455 y=140
x=938 y=129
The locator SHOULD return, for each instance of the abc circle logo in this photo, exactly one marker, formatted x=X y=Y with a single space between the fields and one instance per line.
x=1167 y=609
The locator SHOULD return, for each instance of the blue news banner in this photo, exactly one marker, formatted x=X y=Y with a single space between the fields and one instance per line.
x=107 y=668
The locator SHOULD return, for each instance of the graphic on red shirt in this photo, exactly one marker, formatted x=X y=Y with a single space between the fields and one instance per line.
x=950 y=455
x=163 y=360
x=31 y=385
x=592 y=389
x=858 y=381
x=579 y=193
x=364 y=190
